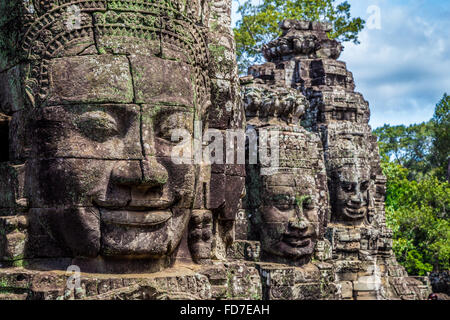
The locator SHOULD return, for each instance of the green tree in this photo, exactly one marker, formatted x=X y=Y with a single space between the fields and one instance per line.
x=417 y=212
x=260 y=23
x=441 y=141
x=390 y=141
x=414 y=160
x=408 y=146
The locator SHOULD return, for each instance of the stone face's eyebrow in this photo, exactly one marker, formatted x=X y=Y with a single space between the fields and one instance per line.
x=168 y=107
x=102 y=131
x=157 y=80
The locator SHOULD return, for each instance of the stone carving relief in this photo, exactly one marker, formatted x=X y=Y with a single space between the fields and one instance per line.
x=95 y=89
x=292 y=211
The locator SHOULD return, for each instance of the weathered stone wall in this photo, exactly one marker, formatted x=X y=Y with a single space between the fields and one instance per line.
x=90 y=91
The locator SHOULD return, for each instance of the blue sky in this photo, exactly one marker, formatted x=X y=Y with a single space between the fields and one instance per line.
x=402 y=69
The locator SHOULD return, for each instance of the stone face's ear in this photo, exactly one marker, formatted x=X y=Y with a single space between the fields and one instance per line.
x=4 y=137
x=12 y=96
x=13 y=239
x=226 y=113
x=13 y=197
x=13 y=222
x=200 y=236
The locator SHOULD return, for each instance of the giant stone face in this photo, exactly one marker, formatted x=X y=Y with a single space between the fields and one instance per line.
x=290 y=215
x=102 y=174
x=291 y=204
x=101 y=99
x=351 y=172
x=350 y=193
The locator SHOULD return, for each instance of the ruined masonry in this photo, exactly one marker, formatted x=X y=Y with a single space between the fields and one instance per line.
x=90 y=91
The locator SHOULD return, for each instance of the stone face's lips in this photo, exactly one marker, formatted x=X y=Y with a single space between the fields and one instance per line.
x=296 y=241
x=135 y=218
x=355 y=213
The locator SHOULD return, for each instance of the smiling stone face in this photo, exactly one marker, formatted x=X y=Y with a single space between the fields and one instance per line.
x=94 y=91
x=100 y=101
x=290 y=215
x=350 y=193
x=289 y=208
x=351 y=174
x=101 y=175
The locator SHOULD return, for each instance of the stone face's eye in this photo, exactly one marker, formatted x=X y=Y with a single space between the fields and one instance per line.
x=283 y=202
x=304 y=202
x=348 y=186
x=97 y=125
x=308 y=203
x=364 y=185
x=167 y=122
x=284 y=207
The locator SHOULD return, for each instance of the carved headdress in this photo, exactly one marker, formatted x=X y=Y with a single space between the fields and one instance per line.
x=168 y=29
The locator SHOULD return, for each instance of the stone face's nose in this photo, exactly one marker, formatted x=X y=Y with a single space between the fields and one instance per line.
x=127 y=173
x=299 y=224
x=153 y=173
x=144 y=173
x=298 y=221
x=358 y=197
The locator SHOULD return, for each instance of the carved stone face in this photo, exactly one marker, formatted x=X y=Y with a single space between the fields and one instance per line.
x=102 y=176
x=290 y=216
x=94 y=90
x=288 y=209
x=349 y=193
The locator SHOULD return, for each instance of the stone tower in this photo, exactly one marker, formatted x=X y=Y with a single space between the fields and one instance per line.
x=357 y=243
x=90 y=91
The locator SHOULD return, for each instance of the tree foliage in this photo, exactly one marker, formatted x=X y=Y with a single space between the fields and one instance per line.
x=417 y=212
x=421 y=148
x=409 y=146
x=259 y=24
x=414 y=160
x=441 y=137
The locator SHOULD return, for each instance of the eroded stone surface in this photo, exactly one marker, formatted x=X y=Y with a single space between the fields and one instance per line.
x=87 y=118
x=304 y=86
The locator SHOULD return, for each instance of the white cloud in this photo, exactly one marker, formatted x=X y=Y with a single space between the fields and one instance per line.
x=404 y=68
